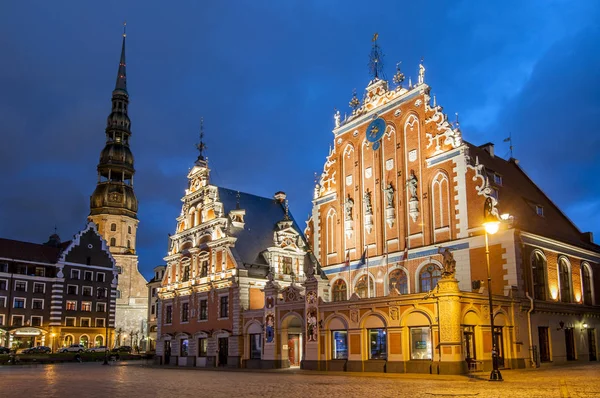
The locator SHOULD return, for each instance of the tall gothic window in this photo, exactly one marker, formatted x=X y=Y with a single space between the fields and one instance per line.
x=565 y=281
x=538 y=271
x=361 y=287
x=398 y=280
x=587 y=284
x=429 y=277
x=331 y=220
x=339 y=290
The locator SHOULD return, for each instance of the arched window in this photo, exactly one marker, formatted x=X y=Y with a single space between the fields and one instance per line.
x=398 y=280
x=565 y=281
x=429 y=277
x=440 y=201
x=339 y=290
x=129 y=229
x=331 y=220
x=118 y=293
x=113 y=242
x=587 y=284
x=113 y=227
x=84 y=341
x=361 y=287
x=99 y=341
x=128 y=244
x=68 y=340
x=538 y=271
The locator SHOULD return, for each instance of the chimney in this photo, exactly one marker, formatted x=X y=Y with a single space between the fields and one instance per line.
x=587 y=237
x=489 y=148
x=280 y=196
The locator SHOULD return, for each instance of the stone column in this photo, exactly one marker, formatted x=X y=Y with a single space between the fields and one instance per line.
x=449 y=311
x=270 y=357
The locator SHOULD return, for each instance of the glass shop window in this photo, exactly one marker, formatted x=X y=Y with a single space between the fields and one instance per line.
x=340 y=344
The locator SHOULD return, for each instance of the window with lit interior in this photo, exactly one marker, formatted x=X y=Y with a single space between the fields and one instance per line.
x=399 y=281
x=420 y=343
x=339 y=290
x=339 y=339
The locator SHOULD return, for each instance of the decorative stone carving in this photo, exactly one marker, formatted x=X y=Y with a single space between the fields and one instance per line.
x=367 y=201
x=413 y=203
x=354 y=315
x=394 y=313
x=348 y=205
x=389 y=194
x=449 y=263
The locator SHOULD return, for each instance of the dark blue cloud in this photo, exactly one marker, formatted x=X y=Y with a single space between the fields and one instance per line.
x=266 y=76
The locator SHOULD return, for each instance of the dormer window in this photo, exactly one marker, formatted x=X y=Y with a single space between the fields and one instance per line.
x=497 y=179
x=539 y=210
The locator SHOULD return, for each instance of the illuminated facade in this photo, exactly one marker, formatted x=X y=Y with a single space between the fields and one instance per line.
x=397 y=227
x=57 y=294
x=227 y=247
x=113 y=207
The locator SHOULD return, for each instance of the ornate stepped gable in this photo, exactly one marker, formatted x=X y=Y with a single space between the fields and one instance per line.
x=221 y=232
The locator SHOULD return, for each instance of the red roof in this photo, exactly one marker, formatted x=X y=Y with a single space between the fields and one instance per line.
x=25 y=251
x=518 y=195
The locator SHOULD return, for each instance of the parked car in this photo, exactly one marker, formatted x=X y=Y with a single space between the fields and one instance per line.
x=73 y=348
x=101 y=348
x=41 y=349
x=4 y=350
x=123 y=348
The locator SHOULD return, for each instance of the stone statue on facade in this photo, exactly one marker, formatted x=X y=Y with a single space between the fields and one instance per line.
x=348 y=205
x=389 y=194
x=367 y=200
x=337 y=118
x=449 y=263
x=421 y=72
x=412 y=185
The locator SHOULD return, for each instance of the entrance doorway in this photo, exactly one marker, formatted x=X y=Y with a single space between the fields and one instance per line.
x=167 y=352
x=570 y=344
x=591 y=334
x=544 y=344
x=499 y=341
x=223 y=350
x=294 y=349
x=470 y=352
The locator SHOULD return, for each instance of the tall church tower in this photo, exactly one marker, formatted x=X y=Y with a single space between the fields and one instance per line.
x=113 y=207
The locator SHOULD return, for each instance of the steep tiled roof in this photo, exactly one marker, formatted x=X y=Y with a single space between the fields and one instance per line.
x=518 y=195
x=25 y=251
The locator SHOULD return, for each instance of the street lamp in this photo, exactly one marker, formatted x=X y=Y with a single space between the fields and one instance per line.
x=491 y=226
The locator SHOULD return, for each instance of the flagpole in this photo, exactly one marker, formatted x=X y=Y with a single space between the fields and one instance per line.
x=349 y=275
x=368 y=275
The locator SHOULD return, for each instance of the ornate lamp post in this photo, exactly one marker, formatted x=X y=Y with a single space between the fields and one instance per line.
x=491 y=225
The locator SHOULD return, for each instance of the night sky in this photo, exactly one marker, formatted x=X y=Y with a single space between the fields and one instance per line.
x=266 y=76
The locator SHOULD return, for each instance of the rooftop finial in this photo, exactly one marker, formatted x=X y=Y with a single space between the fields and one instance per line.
x=287 y=211
x=124 y=28
x=457 y=123
x=237 y=200
x=354 y=102
x=399 y=76
x=201 y=146
x=376 y=59
x=421 y=72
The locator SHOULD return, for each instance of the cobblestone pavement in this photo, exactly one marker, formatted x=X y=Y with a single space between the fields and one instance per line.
x=133 y=380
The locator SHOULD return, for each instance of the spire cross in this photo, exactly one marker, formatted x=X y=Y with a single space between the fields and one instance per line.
x=376 y=59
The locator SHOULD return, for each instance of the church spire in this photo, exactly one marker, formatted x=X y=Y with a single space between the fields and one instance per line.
x=122 y=73
x=114 y=193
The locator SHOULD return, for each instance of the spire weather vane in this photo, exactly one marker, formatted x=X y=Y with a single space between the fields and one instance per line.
x=376 y=59
x=201 y=146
